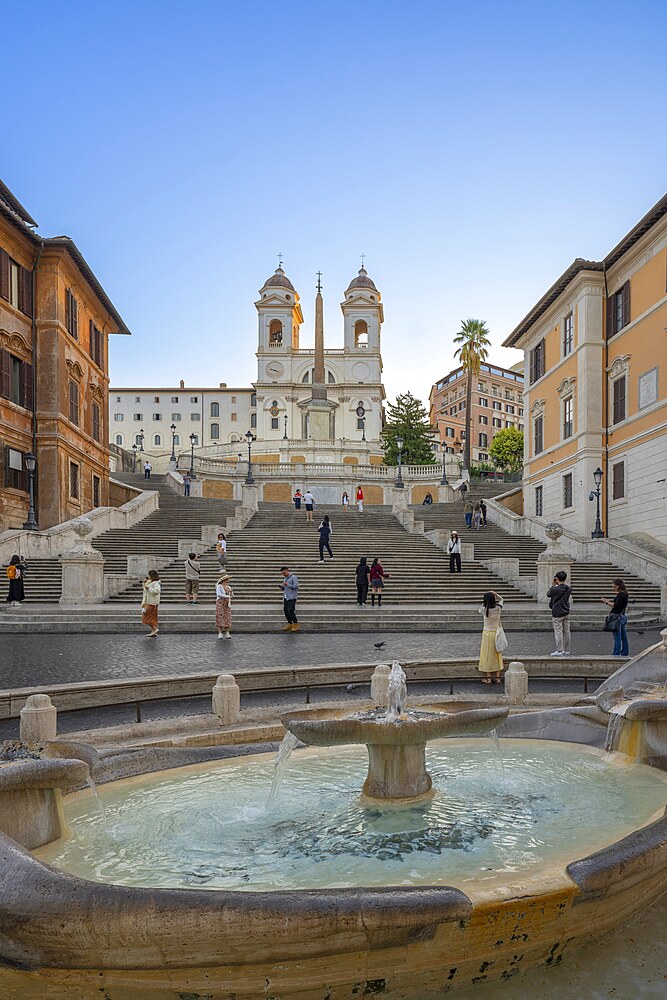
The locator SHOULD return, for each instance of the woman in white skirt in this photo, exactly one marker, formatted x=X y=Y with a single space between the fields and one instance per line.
x=490 y=660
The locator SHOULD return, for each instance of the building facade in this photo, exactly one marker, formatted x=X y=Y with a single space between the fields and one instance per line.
x=55 y=321
x=595 y=349
x=497 y=403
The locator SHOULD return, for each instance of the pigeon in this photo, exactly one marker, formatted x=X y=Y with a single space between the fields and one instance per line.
x=379 y=645
x=351 y=687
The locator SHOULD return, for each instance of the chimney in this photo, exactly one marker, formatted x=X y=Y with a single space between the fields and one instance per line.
x=223 y=385
x=182 y=384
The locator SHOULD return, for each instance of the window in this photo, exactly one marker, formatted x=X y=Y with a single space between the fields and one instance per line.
x=138 y=416
x=194 y=399
x=483 y=402
x=521 y=411
x=568 y=334
x=95 y=421
x=275 y=333
x=253 y=420
x=481 y=386
x=118 y=399
x=618 y=310
x=495 y=391
x=233 y=399
x=138 y=439
x=215 y=409
x=16 y=477
x=195 y=416
x=74 y=403
x=74 y=480
x=537 y=367
x=175 y=417
x=253 y=399
x=462 y=405
x=174 y=399
x=15 y=284
x=538 y=435
x=497 y=406
x=483 y=440
x=71 y=314
x=648 y=388
x=96 y=344
x=520 y=427
x=452 y=411
x=509 y=408
x=508 y=394
x=137 y=399
x=233 y=417
x=97 y=484
x=497 y=422
x=119 y=440
x=177 y=439
x=361 y=423
x=449 y=432
x=215 y=432
x=16 y=380
x=567 y=490
x=619 y=400
x=361 y=333
x=274 y=423
x=618 y=481
x=119 y=417
x=157 y=416
x=157 y=439
x=156 y=399
x=538 y=501
x=568 y=418
x=483 y=457
x=508 y=423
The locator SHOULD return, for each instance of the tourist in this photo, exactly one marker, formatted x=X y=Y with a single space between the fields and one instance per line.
x=490 y=657
x=297 y=499
x=454 y=552
x=617 y=620
x=16 y=576
x=361 y=575
x=345 y=502
x=151 y=601
x=559 y=602
x=148 y=468
x=428 y=500
x=221 y=550
x=378 y=576
x=223 y=606
x=290 y=589
x=482 y=507
x=467 y=513
x=325 y=530
x=309 y=500
x=463 y=489
x=187 y=481
x=192 y=572
x=360 y=499
x=477 y=516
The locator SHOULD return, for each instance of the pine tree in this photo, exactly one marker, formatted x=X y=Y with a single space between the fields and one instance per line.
x=408 y=419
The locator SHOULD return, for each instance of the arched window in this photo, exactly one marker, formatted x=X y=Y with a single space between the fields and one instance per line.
x=310 y=376
x=157 y=439
x=137 y=440
x=215 y=409
x=330 y=378
x=306 y=377
x=119 y=440
x=253 y=399
x=215 y=432
x=275 y=332
x=177 y=440
x=360 y=333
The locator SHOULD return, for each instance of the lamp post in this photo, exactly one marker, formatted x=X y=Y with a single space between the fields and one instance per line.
x=134 y=457
x=285 y=434
x=193 y=438
x=30 y=464
x=173 y=443
x=399 y=477
x=363 y=428
x=443 y=481
x=250 y=437
x=141 y=439
x=595 y=495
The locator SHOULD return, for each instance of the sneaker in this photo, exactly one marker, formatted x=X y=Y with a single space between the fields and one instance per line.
x=296 y=628
x=567 y=653
x=227 y=635
x=287 y=628
x=220 y=635
x=557 y=652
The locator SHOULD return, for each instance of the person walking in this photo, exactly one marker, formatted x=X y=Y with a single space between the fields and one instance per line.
x=618 y=625
x=454 y=552
x=490 y=657
x=290 y=589
x=148 y=468
x=223 y=606
x=325 y=530
x=187 y=482
x=192 y=572
x=297 y=499
x=309 y=500
x=482 y=507
x=476 y=516
x=360 y=499
x=467 y=513
x=361 y=575
x=378 y=576
x=16 y=576
x=463 y=489
x=221 y=550
x=559 y=602
x=345 y=502
x=151 y=601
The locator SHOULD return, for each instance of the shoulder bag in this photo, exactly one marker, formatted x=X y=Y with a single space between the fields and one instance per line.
x=612 y=622
x=501 y=639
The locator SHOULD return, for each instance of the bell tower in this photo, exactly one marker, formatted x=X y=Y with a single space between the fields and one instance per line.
x=363 y=315
x=279 y=315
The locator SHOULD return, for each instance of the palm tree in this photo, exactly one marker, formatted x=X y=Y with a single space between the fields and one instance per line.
x=474 y=340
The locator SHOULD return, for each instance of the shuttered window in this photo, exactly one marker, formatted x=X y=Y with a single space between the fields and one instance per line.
x=568 y=334
x=15 y=475
x=71 y=314
x=537 y=365
x=538 y=435
x=618 y=310
x=97 y=484
x=619 y=400
x=95 y=421
x=15 y=283
x=74 y=402
x=74 y=480
x=96 y=344
x=568 y=419
x=618 y=481
x=16 y=380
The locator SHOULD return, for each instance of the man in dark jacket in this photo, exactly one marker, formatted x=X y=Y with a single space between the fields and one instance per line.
x=559 y=602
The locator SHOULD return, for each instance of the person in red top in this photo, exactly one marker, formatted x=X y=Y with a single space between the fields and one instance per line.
x=360 y=499
x=377 y=581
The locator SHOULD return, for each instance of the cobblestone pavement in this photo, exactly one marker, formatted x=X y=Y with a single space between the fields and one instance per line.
x=29 y=660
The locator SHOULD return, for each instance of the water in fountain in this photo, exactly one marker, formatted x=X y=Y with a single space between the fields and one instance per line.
x=497 y=751
x=614 y=724
x=98 y=802
x=397 y=691
x=289 y=743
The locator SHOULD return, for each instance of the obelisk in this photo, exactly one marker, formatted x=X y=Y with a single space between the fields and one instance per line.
x=319 y=407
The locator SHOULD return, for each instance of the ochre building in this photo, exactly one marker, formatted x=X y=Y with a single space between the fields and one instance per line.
x=595 y=350
x=55 y=321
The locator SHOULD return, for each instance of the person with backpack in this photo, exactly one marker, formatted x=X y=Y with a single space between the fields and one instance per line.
x=467 y=513
x=15 y=575
x=192 y=572
x=325 y=530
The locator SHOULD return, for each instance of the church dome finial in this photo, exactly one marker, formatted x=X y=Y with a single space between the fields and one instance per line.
x=278 y=280
x=362 y=280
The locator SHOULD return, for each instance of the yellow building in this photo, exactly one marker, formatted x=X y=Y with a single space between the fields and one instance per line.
x=595 y=396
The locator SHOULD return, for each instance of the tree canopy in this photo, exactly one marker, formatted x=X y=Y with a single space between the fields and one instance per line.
x=506 y=449
x=408 y=419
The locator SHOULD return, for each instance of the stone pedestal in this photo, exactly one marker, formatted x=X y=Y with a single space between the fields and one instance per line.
x=250 y=496
x=188 y=545
x=380 y=684
x=226 y=699
x=82 y=568
x=551 y=561
x=445 y=494
x=516 y=683
x=39 y=720
x=397 y=772
x=399 y=499
x=319 y=420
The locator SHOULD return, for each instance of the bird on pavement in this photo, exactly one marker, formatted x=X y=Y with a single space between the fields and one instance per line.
x=379 y=645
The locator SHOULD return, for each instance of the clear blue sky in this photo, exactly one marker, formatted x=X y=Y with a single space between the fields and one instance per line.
x=470 y=150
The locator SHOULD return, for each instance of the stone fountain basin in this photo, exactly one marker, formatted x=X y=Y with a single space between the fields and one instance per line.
x=634 y=709
x=337 y=727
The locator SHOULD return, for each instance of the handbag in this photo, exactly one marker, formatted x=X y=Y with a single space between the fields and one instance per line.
x=612 y=622
x=501 y=639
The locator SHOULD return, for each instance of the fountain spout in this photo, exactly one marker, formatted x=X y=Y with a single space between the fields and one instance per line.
x=397 y=692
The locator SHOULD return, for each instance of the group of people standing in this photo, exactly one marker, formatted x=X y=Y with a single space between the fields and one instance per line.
x=372 y=576
x=308 y=501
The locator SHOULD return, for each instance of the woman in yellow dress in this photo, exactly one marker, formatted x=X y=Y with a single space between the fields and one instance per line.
x=490 y=660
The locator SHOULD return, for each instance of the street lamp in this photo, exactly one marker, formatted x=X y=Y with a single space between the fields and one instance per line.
x=363 y=428
x=399 y=477
x=134 y=457
x=193 y=439
x=30 y=464
x=250 y=437
x=141 y=439
x=595 y=495
x=443 y=481
x=285 y=434
x=173 y=443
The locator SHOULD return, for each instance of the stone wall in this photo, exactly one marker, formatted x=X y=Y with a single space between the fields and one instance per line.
x=277 y=492
x=218 y=489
